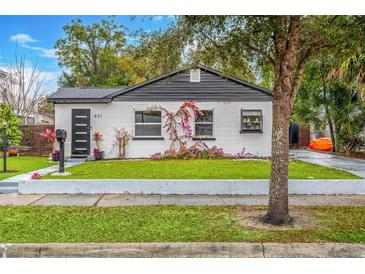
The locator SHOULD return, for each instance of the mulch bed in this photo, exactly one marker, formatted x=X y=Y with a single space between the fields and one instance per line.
x=356 y=155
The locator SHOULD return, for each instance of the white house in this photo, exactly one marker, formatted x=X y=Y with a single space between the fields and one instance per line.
x=237 y=114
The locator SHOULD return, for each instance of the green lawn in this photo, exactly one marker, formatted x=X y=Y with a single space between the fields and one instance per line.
x=23 y=164
x=169 y=223
x=197 y=169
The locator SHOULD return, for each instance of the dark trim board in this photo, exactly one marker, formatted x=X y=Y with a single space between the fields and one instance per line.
x=203 y=138
x=78 y=101
x=148 y=138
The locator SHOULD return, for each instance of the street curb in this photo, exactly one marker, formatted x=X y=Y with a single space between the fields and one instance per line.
x=183 y=250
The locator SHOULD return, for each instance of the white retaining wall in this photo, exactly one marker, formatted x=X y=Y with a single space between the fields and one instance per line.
x=210 y=187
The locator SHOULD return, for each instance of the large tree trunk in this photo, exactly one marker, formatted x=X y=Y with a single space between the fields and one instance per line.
x=288 y=72
x=278 y=212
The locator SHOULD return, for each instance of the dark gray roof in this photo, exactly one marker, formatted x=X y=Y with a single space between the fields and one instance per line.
x=175 y=86
x=80 y=95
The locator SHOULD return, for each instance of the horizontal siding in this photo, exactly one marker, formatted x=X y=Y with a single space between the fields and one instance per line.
x=210 y=88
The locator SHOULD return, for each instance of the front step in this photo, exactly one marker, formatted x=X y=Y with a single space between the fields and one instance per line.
x=76 y=156
x=76 y=160
x=8 y=187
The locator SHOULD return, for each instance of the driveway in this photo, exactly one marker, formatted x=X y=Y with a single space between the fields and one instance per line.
x=354 y=166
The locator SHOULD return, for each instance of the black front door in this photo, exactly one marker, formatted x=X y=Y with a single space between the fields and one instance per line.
x=81 y=131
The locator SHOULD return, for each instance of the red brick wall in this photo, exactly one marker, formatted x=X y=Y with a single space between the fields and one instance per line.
x=33 y=144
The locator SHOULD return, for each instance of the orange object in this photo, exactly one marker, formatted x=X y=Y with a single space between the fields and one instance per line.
x=323 y=144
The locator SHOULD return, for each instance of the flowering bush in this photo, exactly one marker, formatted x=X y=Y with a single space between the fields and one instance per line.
x=36 y=176
x=201 y=150
x=246 y=155
x=97 y=138
x=50 y=135
x=12 y=150
x=177 y=123
x=96 y=152
x=56 y=155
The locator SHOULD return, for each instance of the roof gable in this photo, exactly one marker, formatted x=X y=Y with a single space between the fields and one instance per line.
x=175 y=86
x=213 y=86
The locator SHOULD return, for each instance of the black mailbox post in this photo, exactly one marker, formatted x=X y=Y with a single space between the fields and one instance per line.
x=61 y=136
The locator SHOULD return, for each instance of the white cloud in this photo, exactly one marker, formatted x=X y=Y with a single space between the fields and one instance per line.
x=25 y=39
x=50 y=53
x=157 y=18
x=22 y=38
x=49 y=78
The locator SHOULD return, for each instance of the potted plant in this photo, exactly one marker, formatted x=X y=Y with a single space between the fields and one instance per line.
x=97 y=138
x=50 y=135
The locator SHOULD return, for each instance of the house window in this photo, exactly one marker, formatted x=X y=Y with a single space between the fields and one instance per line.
x=251 y=121
x=30 y=120
x=148 y=124
x=204 y=124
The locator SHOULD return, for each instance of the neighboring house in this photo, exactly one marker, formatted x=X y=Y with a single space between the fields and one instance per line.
x=237 y=114
x=37 y=119
x=3 y=74
x=34 y=118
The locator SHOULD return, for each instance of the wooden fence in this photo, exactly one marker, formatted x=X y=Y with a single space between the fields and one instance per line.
x=304 y=138
x=33 y=144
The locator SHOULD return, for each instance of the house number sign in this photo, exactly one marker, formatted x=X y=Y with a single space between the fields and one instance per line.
x=98 y=115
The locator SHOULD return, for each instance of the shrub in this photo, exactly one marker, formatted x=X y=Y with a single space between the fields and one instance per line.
x=201 y=150
x=177 y=124
x=122 y=138
x=14 y=134
x=50 y=135
x=97 y=138
x=36 y=176
x=96 y=152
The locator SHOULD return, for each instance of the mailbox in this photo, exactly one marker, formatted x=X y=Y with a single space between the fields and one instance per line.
x=61 y=135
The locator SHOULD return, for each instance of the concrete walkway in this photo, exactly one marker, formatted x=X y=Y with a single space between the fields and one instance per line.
x=128 y=200
x=354 y=166
x=42 y=172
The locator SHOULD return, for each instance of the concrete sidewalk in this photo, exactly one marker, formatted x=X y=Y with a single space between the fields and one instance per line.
x=128 y=200
x=183 y=250
x=354 y=166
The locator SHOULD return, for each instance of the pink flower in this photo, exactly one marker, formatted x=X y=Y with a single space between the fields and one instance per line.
x=36 y=176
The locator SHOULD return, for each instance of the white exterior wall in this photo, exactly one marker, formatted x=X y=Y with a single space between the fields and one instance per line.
x=116 y=115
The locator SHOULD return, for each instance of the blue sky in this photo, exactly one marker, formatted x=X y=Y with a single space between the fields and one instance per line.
x=34 y=38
